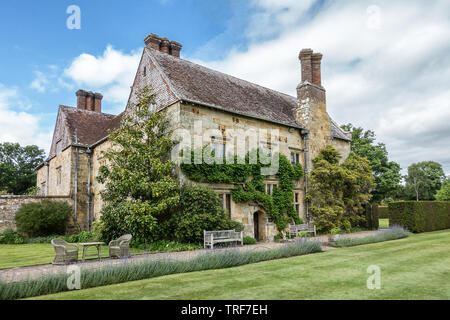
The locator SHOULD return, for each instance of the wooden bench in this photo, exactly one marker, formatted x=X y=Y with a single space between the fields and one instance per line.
x=221 y=236
x=294 y=229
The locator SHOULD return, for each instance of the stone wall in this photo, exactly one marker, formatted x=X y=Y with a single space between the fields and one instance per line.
x=289 y=140
x=10 y=204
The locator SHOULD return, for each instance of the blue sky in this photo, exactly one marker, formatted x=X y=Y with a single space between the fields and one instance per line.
x=386 y=64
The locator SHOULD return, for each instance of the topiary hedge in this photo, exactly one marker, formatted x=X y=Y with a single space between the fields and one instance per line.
x=383 y=212
x=420 y=216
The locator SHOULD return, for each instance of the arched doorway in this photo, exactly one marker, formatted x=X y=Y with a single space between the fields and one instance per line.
x=258 y=226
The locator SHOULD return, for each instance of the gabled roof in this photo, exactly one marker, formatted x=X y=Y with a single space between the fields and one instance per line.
x=184 y=80
x=190 y=81
x=87 y=127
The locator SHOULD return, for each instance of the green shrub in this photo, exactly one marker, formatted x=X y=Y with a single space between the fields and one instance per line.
x=200 y=209
x=279 y=236
x=83 y=236
x=420 y=216
x=251 y=240
x=43 y=218
x=9 y=236
x=166 y=246
x=383 y=212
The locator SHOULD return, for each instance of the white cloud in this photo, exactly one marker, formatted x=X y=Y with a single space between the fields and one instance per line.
x=49 y=80
x=388 y=73
x=19 y=126
x=112 y=74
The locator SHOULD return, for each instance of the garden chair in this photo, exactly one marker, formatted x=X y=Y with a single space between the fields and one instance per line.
x=120 y=248
x=64 y=252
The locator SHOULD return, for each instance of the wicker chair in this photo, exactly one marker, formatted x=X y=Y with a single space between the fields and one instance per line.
x=120 y=248
x=64 y=252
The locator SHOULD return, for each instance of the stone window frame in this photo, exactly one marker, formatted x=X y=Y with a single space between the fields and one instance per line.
x=295 y=157
x=296 y=201
x=58 y=175
x=270 y=186
x=219 y=141
x=225 y=197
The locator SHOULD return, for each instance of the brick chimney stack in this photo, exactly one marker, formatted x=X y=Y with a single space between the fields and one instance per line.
x=316 y=59
x=310 y=63
x=175 y=48
x=165 y=45
x=87 y=100
x=153 y=41
x=305 y=60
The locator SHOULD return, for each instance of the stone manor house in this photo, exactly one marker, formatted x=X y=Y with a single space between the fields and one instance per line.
x=190 y=92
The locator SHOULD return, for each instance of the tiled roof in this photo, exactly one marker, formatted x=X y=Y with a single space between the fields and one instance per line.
x=88 y=127
x=194 y=82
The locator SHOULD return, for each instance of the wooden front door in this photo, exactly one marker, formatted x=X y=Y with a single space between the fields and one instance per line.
x=256 y=225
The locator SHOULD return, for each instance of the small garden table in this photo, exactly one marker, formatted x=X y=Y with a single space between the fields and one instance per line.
x=98 y=245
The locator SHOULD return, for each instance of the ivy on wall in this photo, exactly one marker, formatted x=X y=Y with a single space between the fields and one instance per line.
x=249 y=181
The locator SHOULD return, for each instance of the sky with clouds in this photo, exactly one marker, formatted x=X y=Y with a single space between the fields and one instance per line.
x=386 y=64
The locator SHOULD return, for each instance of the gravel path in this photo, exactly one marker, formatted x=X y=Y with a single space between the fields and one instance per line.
x=17 y=274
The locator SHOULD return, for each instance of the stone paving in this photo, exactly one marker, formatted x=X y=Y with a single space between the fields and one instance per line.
x=21 y=273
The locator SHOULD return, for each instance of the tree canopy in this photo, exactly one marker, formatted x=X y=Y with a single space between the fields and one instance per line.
x=17 y=167
x=444 y=193
x=387 y=173
x=338 y=192
x=140 y=186
x=423 y=180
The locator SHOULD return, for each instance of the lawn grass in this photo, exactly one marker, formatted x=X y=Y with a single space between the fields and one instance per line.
x=417 y=267
x=383 y=224
x=21 y=255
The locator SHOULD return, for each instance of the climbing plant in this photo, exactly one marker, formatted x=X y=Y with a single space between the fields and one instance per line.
x=249 y=181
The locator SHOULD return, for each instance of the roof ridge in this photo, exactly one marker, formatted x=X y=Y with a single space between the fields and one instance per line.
x=230 y=76
x=84 y=110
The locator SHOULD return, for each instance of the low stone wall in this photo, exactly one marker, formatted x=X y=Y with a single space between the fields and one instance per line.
x=10 y=204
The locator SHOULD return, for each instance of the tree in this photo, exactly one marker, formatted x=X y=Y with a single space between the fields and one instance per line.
x=387 y=173
x=141 y=188
x=17 y=167
x=444 y=193
x=424 y=179
x=338 y=193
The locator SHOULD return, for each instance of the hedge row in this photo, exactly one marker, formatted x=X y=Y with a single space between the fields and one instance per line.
x=420 y=216
x=383 y=212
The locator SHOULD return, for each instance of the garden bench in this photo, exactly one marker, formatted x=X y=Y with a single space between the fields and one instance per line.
x=221 y=236
x=294 y=229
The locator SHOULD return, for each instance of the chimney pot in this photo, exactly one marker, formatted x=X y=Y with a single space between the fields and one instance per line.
x=90 y=101
x=153 y=41
x=305 y=60
x=98 y=102
x=175 y=48
x=81 y=99
x=165 y=44
x=316 y=59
